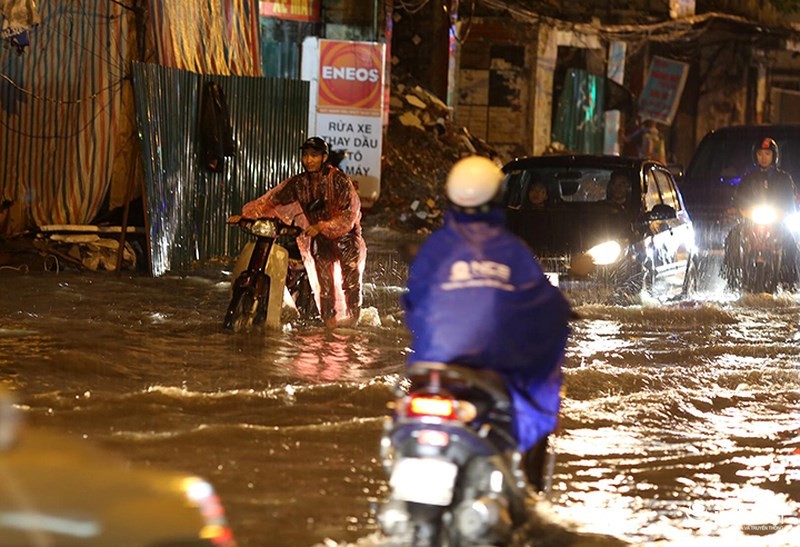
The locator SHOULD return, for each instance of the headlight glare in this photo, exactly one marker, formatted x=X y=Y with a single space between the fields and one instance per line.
x=792 y=222
x=764 y=214
x=605 y=253
x=263 y=228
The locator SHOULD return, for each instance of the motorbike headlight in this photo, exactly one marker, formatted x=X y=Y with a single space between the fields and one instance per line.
x=792 y=222
x=764 y=214
x=263 y=228
x=605 y=253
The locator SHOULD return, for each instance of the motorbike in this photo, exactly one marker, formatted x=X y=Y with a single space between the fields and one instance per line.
x=454 y=470
x=760 y=252
x=266 y=267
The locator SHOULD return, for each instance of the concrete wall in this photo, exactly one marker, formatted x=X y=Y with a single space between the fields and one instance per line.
x=493 y=93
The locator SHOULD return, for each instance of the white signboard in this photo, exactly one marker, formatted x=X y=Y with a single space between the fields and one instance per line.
x=347 y=106
x=360 y=136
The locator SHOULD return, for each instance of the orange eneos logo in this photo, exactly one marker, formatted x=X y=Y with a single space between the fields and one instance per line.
x=350 y=77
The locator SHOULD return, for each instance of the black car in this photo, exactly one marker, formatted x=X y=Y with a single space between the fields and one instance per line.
x=611 y=239
x=717 y=167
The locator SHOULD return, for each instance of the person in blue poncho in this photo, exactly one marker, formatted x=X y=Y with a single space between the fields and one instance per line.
x=478 y=297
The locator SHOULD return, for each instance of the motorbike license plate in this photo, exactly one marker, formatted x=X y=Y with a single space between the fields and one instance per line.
x=424 y=480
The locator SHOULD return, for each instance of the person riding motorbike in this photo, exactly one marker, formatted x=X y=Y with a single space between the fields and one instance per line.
x=766 y=181
x=765 y=184
x=331 y=213
x=478 y=297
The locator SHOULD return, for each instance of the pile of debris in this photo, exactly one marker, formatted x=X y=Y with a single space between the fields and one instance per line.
x=421 y=146
x=68 y=246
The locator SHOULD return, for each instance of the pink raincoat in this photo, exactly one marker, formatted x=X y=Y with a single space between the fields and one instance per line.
x=335 y=258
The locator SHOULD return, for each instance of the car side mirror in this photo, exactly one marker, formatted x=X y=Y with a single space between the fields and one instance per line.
x=676 y=169
x=660 y=212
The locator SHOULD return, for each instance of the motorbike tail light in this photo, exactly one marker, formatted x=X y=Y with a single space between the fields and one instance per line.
x=432 y=437
x=216 y=529
x=432 y=405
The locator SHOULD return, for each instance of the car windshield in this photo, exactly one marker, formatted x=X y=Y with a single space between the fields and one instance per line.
x=524 y=188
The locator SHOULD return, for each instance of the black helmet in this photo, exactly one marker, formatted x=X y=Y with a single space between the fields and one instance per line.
x=766 y=143
x=316 y=143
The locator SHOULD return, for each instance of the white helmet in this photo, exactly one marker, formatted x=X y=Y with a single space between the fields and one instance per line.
x=473 y=181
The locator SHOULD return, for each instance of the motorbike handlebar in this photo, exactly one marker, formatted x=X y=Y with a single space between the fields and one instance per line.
x=281 y=227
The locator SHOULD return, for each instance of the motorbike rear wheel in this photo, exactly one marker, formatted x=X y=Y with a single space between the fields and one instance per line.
x=427 y=534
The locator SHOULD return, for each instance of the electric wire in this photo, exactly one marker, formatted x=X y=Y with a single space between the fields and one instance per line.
x=411 y=7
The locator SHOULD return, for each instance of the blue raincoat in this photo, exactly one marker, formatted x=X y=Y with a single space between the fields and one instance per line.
x=477 y=296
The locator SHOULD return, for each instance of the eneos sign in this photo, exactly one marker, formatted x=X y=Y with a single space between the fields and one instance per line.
x=350 y=77
x=346 y=103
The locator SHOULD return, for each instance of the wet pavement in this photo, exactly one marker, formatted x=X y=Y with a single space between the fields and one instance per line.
x=679 y=424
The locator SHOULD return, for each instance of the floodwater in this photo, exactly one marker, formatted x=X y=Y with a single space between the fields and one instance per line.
x=680 y=422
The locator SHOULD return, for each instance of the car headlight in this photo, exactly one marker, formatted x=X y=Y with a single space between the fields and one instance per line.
x=764 y=214
x=605 y=253
x=263 y=228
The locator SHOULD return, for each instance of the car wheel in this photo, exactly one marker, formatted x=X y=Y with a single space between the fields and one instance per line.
x=629 y=282
x=691 y=277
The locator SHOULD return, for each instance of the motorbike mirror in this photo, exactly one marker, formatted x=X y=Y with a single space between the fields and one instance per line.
x=336 y=157
x=676 y=169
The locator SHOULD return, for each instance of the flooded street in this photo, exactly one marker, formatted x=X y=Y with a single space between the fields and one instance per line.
x=680 y=423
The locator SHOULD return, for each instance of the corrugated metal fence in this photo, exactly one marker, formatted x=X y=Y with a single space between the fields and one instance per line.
x=60 y=104
x=186 y=204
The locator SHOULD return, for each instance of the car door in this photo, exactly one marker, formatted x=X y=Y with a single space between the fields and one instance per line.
x=672 y=239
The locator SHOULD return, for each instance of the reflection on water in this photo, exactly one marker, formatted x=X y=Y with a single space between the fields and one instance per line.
x=679 y=424
x=326 y=356
x=682 y=427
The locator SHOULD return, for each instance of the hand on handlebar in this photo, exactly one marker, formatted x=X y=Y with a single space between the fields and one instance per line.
x=312 y=230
